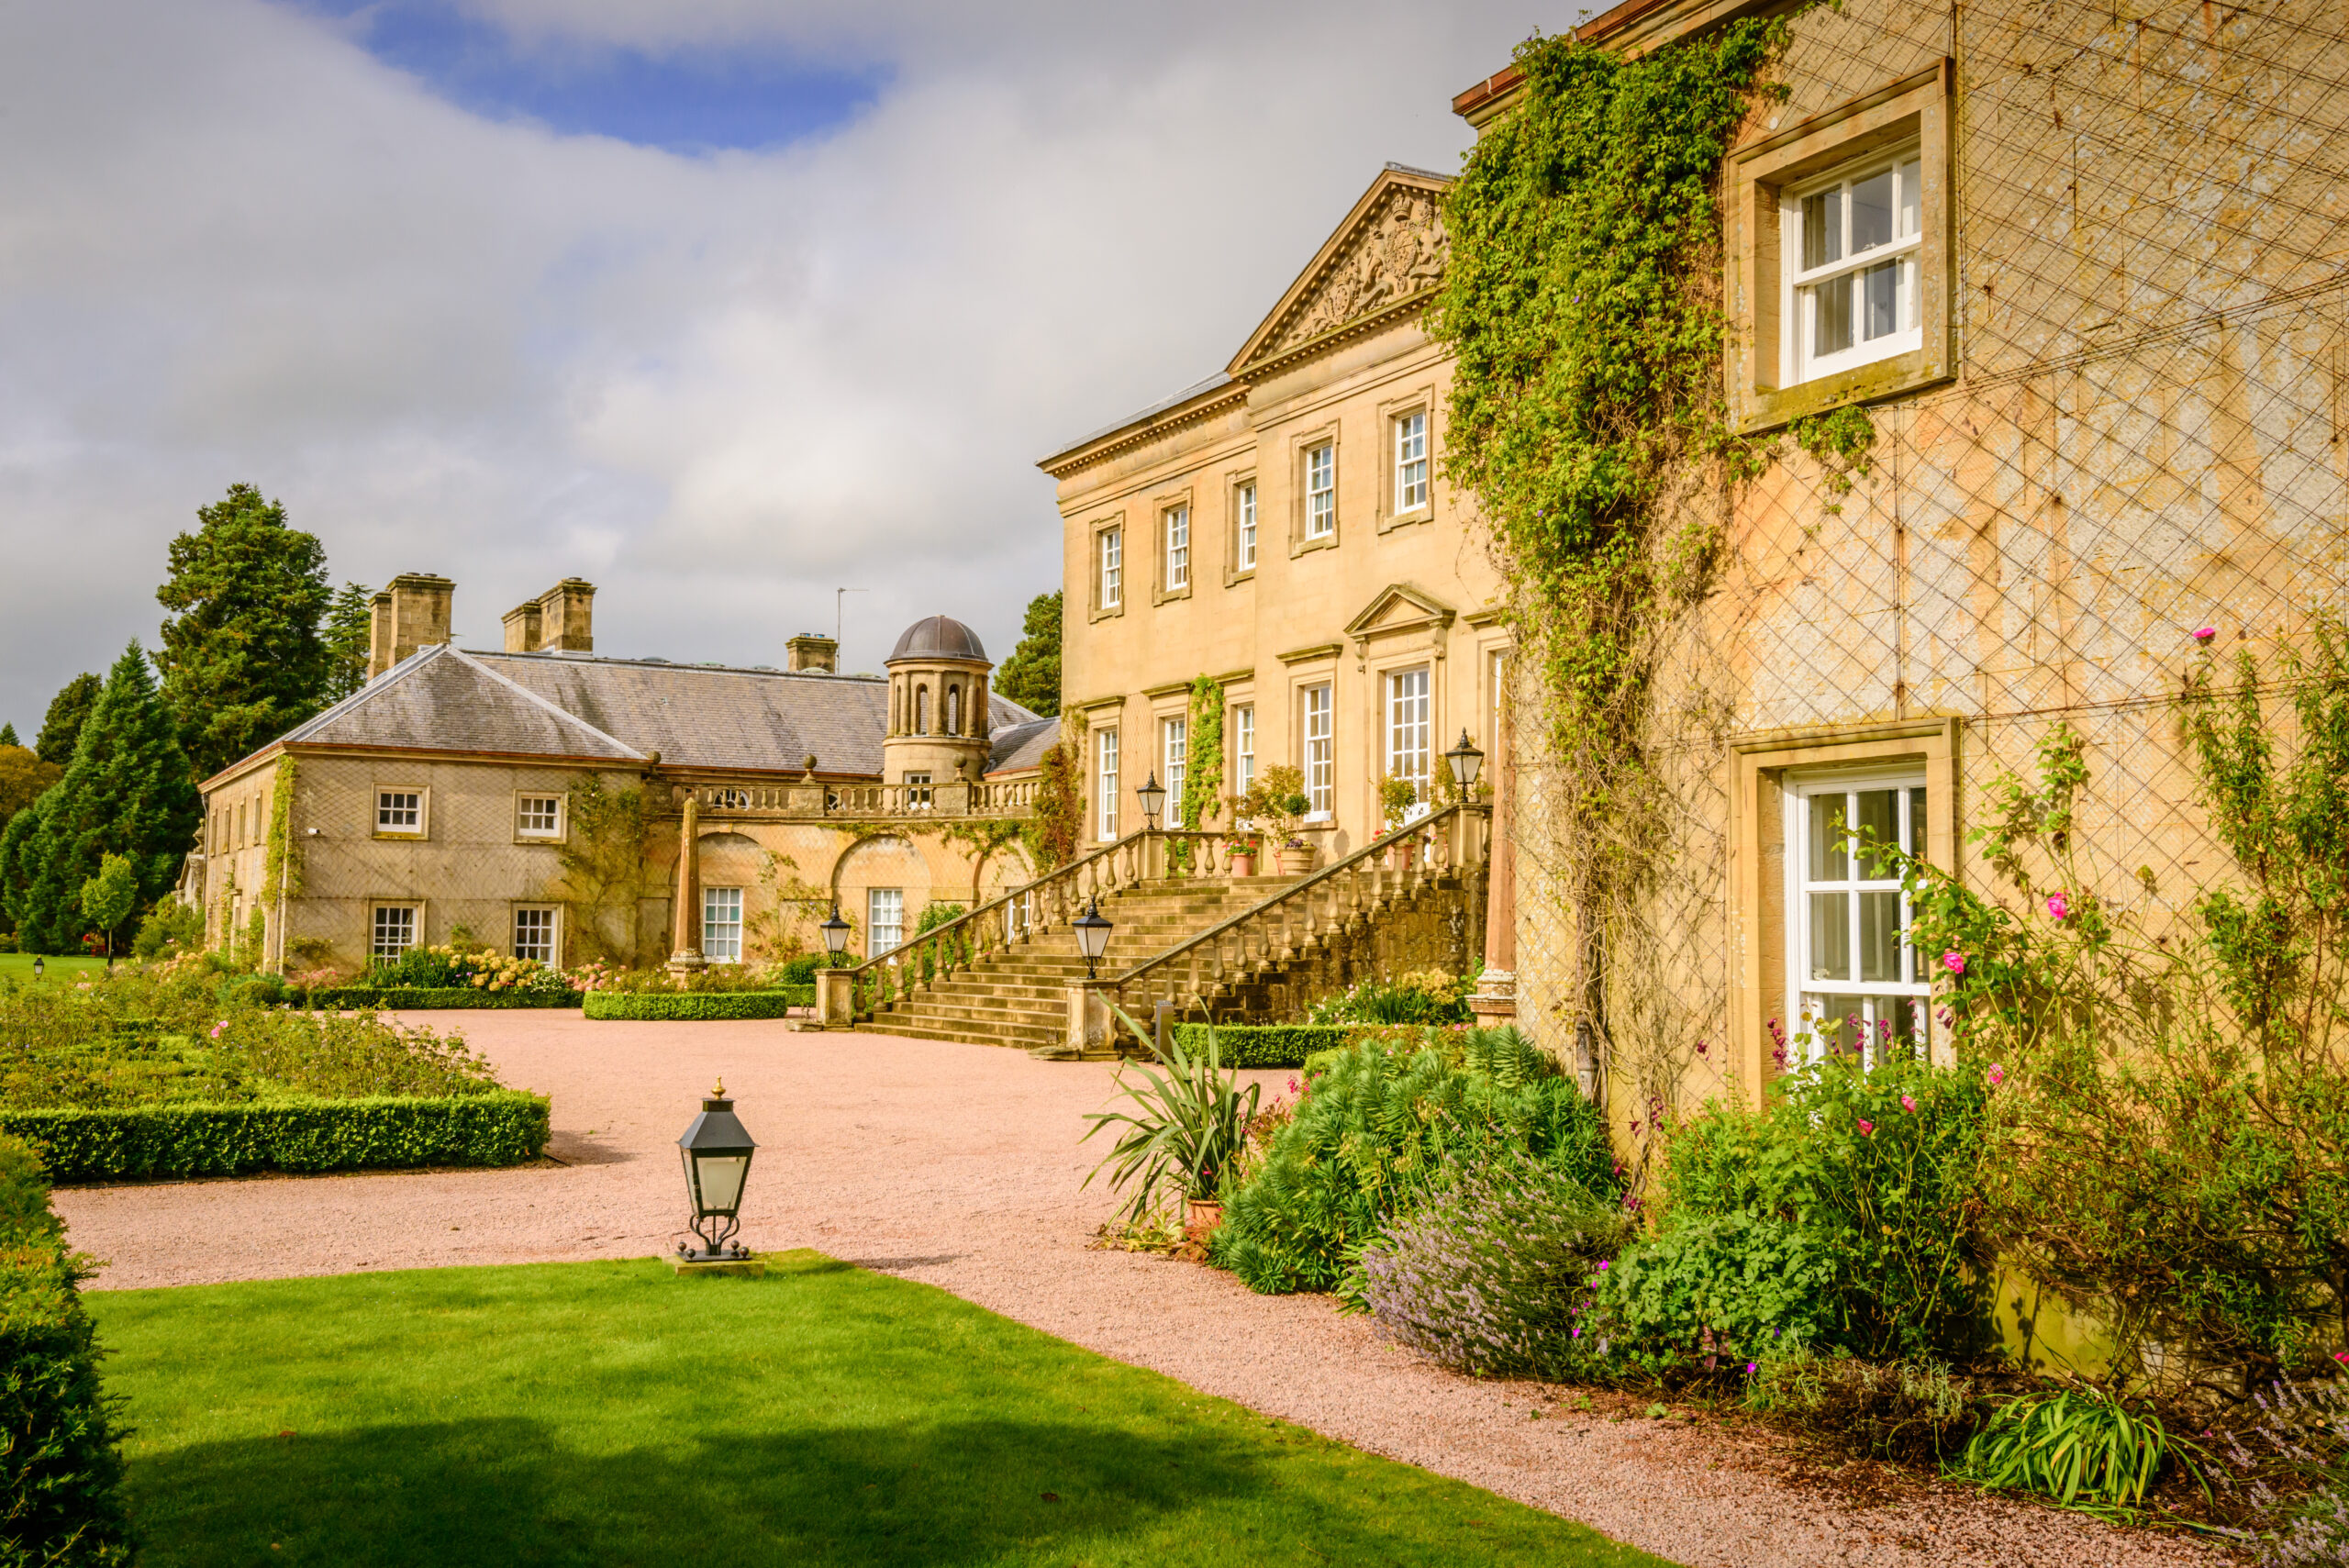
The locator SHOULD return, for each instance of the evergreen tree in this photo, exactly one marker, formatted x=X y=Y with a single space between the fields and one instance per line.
x=62 y=726
x=8 y=735
x=348 y=632
x=243 y=662
x=1031 y=676
x=128 y=792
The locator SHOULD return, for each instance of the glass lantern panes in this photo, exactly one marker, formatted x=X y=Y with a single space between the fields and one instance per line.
x=1859 y=986
x=1855 y=246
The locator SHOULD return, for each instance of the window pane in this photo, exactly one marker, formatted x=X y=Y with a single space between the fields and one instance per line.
x=1907 y=198
x=1831 y=317
x=1827 y=838
x=1320 y=779
x=1830 y=936
x=1879 y=823
x=1822 y=229
x=1880 y=936
x=1880 y=312
x=1871 y=211
x=1916 y=822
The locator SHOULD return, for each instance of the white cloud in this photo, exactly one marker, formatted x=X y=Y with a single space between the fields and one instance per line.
x=233 y=246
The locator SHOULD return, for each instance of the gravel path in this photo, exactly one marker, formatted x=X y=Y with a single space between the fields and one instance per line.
x=958 y=1166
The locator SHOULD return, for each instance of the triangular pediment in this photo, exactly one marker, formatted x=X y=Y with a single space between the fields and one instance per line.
x=1399 y=606
x=1389 y=251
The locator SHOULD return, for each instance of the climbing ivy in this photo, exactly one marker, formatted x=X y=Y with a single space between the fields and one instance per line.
x=283 y=872
x=1203 y=774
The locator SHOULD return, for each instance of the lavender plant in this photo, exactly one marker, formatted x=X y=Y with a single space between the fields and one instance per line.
x=2303 y=1428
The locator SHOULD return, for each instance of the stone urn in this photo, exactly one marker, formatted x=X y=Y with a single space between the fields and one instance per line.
x=1296 y=862
x=1200 y=1217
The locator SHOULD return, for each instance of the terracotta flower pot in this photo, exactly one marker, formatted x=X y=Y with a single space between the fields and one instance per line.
x=1200 y=1217
x=1399 y=856
x=1296 y=862
x=1243 y=864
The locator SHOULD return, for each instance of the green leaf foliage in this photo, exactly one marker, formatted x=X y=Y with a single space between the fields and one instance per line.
x=411 y=998
x=698 y=1006
x=2079 y=1447
x=127 y=792
x=1715 y=1290
x=61 y=1465
x=241 y=659
x=1031 y=676
x=8 y=735
x=1186 y=1126
x=1266 y=1045
x=107 y=898
x=179 y=1139
x=24 y=778
x=67 y=710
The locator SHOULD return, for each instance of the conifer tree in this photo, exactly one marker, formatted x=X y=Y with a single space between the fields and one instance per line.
x=62 y=725
x=128 y=791
x=8 y=735
x=243 y=662
x=347 y=634
x=1031 y=676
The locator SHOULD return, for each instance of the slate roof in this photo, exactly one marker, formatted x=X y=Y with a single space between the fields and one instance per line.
x=1019 y=747
x=572 y=705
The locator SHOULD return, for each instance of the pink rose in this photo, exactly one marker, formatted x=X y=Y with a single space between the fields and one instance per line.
x=2059 y=905
x=1998 y=1074
x=1954 y=961
x=1867 y=1128
x=2205 y=633
x=1909 y=1103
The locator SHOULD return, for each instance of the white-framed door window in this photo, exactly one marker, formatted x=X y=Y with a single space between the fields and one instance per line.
x=1852 y=246
x=1411 y=461
x=1243 y=747
x=721 y=925
x=884 y=919
x=1856 y=985
x=1105 y=769
x=1175 y=757
x=1178 y=548
x=1321 y=753
x=1406 y=731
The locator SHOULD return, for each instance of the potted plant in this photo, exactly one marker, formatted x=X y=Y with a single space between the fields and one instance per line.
x=1245 y=846
x=1184 y=1128
x=1275 y=805
x=1399 y=801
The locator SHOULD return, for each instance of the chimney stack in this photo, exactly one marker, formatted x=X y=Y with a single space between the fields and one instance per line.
x=566 y=617
x=810 y=652
x=522 y=627
x=412 y=613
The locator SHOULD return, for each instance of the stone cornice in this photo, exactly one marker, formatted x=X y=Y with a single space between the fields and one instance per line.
x=1305 y=655
x=1141 y=431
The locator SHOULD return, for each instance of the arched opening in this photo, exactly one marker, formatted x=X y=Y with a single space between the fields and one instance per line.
x=921 y=710
x=953 y=710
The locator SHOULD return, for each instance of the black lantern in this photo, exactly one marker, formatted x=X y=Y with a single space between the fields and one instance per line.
x=38 y=966
x=716 y=1150
x=1465 y=761
x=1153 y=800
x=835 y=933
x=1092 y=936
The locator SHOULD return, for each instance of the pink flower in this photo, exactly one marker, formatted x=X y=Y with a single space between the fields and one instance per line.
x=219 y=1027
x=2059 y=905
x=1909 y=1103
x=1750 y=1365
x=1954 y=961
x=2341 y=1356
x=2205 y=633
x=1867 y=1128
x=1602 y=1262
x=1998 y=1074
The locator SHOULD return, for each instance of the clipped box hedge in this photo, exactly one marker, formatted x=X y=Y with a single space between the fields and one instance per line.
x=1267 y=1045
x=60 y=1470
x=698 y=1006
x=421 y=999
x=505 y=1127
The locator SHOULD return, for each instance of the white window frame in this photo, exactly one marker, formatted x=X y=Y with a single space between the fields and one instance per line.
x=1177 y=527
x=378 y=950
x=1175 y=757
x=523 y=824
x=1244 y=500
x=1412 y=487
x=1320 y=490
x=389 y=816
x=721 y=924
x=1319 y=716
x=1105 y=769
x=1820 y=1003
x=1410 y=726
x=883 y=934
x=1243 y=747
x=1803 y=290
x=918 y=796
x=1112 y=551
x=546 y=920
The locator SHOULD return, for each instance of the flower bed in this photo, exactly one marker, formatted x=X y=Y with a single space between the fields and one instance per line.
x=698 y=1006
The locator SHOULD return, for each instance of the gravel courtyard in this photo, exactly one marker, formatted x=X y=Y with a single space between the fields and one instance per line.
x=959 y=1167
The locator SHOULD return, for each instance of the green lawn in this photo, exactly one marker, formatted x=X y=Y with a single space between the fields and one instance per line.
x=609 y=1413
x=20 y=964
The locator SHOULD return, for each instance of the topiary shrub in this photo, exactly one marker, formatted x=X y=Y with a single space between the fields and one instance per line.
x=179 y=1139
x=440 y=998
x=696 y=1007
x=1266 y=1045
x=60 y=1466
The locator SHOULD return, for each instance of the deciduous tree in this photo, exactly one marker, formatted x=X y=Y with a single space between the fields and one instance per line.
x=23 y=779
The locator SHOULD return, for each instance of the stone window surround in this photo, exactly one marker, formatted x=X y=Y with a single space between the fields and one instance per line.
x=391 y=901
x=423 y=793
x=1301 y=442
x=1419 y=399
x=562 y=833
x=1094 y=609
x=1489 y=638
x=554 y=926
x=1760 y=766
x=1235 y=481
x=1162 y=508
x=1307 y=668
x=1917 y=109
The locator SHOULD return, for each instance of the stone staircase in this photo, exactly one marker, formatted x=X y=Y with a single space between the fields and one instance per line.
x=1017 y=995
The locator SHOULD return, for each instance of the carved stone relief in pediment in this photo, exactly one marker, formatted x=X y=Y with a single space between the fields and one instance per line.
x=1397 y=250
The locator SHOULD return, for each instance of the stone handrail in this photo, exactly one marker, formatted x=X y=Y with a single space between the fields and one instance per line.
x=1450 y=838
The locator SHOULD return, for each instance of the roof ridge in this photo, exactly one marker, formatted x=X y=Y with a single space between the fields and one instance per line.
x=555 y=709
x=367 y=690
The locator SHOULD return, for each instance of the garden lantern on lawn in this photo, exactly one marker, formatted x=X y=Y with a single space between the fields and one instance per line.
x=38 y=966
x=835 y=932
x=1466 y=762
x=1092 y=937
x=1153 y=800
x=716 y=1150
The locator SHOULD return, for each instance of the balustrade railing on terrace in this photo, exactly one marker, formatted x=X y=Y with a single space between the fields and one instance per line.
x=1010 y=797
x=1282 y=928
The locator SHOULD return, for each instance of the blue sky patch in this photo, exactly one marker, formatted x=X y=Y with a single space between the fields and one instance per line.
x=695 y=100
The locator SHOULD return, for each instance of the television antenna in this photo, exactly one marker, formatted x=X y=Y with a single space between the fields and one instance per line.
x=840 y=600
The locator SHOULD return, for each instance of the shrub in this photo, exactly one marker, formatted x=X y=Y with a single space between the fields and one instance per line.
x=1429 y=996
x=1186 y=1128
x=170 y=925
x=465 y=997
x=61 y=1468
x=1716 y=1290
x=696 y=1005
x=1266 y=1045
x=1488 y=1272
x=2303 y=1428
x=2077 y=1446
x=178 y=1140
x=1374 y=1130
x=1912 y=1411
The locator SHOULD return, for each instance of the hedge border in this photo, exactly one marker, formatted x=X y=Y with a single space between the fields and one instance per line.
x=503 y=1127
x=696 y=1007
x=422 y=998
x=1269 y=1045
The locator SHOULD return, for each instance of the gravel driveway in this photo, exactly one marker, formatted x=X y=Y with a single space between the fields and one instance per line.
x=958 y=1166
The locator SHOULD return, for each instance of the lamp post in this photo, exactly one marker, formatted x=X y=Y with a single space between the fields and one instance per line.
x=1153 y=800
x=38 y=966
x=717 y=1151
x=1092 y=937
x=835 y=932
x=1465 y=761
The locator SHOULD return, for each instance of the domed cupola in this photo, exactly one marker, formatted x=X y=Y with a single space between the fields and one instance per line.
x=938 y=705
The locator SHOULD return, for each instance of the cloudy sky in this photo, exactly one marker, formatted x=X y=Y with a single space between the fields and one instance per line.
x=721 y=304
